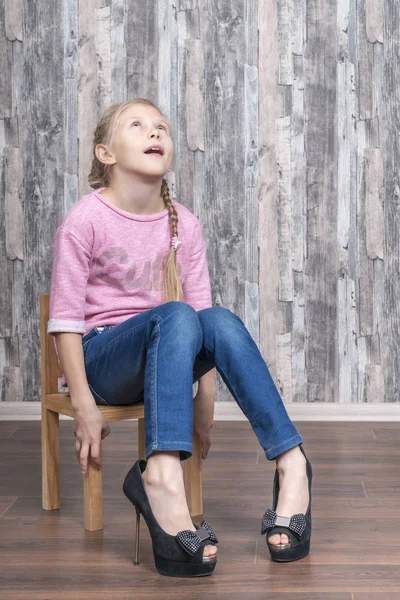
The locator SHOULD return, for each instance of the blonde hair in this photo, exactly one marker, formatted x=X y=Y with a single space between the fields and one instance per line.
x=100 y=177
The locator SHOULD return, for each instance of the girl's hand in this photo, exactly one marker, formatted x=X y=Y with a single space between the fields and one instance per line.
x=205 y=439
x=203 y=411
x=90 y=427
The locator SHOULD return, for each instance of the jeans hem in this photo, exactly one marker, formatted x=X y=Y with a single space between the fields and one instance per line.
x=185 y=449
x=277 y=450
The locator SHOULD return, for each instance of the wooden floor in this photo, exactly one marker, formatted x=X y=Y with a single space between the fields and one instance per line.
x=355 y=549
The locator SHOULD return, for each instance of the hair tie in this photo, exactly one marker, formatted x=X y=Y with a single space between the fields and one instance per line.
x=175 y=242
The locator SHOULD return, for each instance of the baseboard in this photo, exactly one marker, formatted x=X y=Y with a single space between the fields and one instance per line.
x=230 y=411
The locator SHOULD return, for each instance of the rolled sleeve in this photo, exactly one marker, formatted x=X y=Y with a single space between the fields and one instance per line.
x=70 y=272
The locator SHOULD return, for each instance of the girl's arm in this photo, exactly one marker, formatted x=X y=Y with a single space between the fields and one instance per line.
x=70 y=352
x=207 y=383
x=203 y=410
x=90 y=426
x=67 y=323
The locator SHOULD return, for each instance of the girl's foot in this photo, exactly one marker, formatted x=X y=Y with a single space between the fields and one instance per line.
x=293 y=488
x=167 y=499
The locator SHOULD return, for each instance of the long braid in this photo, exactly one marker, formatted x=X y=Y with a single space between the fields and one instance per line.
x=171 y=281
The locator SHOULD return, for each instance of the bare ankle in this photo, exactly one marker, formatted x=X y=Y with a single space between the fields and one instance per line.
x=164 y=469
x=290 y=459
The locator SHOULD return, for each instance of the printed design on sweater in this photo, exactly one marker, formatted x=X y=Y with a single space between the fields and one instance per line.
x=114 y=266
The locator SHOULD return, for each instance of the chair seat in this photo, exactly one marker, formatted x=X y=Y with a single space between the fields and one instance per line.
x=61 y=403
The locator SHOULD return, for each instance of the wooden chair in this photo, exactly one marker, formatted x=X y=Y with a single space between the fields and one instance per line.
x=55 y=403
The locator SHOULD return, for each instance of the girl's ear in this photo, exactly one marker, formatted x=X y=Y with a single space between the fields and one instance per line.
x=103 y=155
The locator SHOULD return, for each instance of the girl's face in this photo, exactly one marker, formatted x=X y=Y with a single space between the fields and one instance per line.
x=139 y=127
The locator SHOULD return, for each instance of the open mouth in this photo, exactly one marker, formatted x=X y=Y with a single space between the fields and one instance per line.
x=155 y=151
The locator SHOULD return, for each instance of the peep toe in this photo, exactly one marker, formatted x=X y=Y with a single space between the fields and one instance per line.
x=178 y=555
x=296 y=527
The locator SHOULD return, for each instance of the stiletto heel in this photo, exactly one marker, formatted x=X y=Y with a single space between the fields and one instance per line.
x=297 y=527
x=136 y=563
x=179 y=555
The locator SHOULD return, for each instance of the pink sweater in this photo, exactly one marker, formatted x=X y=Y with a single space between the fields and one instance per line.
x=107 y=264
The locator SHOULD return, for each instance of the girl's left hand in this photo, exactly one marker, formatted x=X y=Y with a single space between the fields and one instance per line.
x=203 y=420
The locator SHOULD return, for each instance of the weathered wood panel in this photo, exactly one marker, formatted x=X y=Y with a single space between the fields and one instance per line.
x=118 y=52
x=390 y=120
x=251 y=94
x=89 y=101
x=223 y=32
x=271 y=107
x=41 y=139
x=141 y=38
x=322 y=264
x=71 y=132
x=168 y=75
x=284 y=116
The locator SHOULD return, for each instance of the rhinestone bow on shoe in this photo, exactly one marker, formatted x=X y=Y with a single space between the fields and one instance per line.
x=191 y=540
x=297 y=523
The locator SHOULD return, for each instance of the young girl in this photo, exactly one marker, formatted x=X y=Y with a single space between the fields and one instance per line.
x=131 y=311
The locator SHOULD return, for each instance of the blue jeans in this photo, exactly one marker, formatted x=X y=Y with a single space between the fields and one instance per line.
x=157 y=355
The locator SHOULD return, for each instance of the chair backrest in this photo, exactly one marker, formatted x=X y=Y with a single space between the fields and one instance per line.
x=50 y=367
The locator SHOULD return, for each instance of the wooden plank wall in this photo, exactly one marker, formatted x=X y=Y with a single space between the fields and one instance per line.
x=286 y=126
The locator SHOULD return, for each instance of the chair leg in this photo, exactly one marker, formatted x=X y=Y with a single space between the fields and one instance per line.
x=193 y=478
x=141 y=439
x=93 y=496
x=50 y=459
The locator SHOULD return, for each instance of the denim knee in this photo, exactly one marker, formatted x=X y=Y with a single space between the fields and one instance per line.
x=220 y=319
x=186 y=319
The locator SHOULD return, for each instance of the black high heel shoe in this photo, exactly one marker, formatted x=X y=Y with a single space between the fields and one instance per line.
x=297 y=527
x=177 y=556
